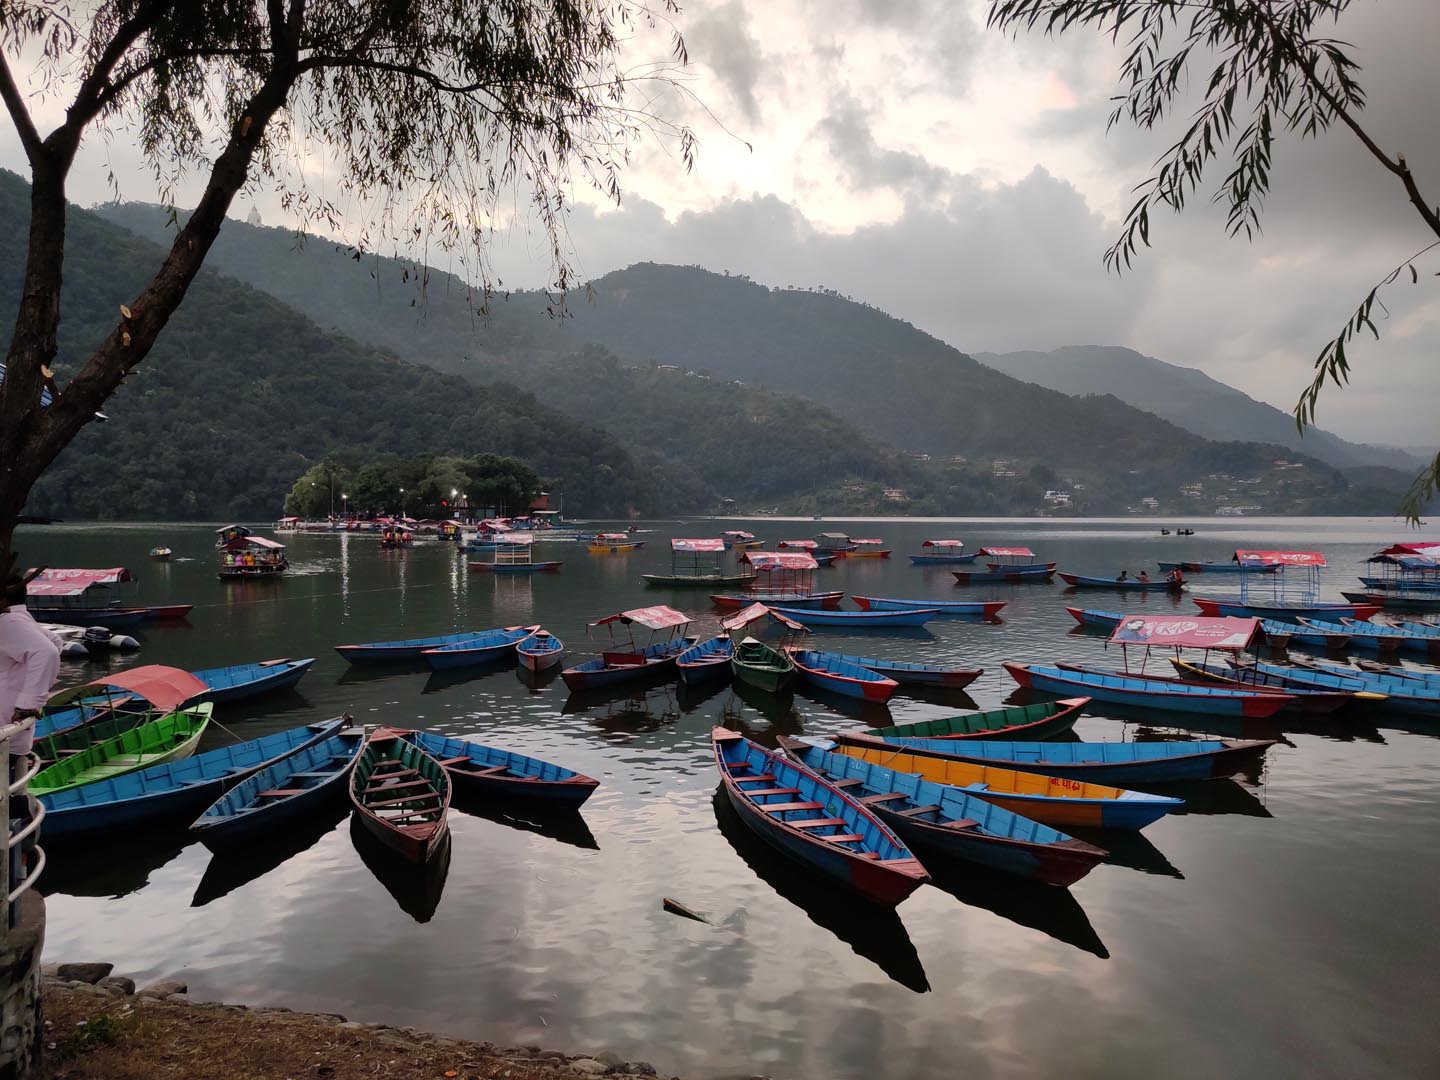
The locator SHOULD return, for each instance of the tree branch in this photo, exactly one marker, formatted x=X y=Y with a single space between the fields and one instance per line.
x=19 y=114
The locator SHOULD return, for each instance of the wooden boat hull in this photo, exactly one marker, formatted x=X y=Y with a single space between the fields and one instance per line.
x=1080 y=581
x=487 y=648
x=858 y=620
x=595 y=674
x=385 y=652
x=943 y=560
x=541 y=651
x=827 y=672
x=705 y=661
x=1398 y=638
x=250 y=573
x=881 y=880
x=238 y=818
x=1018 y=723
x=908 y=673
x=1318 y=702
x=268 y=678
x=1164 y=763
x=490 y=773
x=685 y=581
x=1394 y=601
x=984 y=608
x=616 y=549
x=862 y=553
x=414 y=841
x=171 y=737
x=762 y=667
x=736 y=601
x=1132 y=691
x=113 y=618
x=1010 y=574
x=1417 y=700
x=1282 y=634
x=1218 y=568
x=1283 y=613
x=549 y=567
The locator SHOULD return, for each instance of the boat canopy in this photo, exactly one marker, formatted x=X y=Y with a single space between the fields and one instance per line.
x=953 y=545
x=494 y=525
x=612 y=536
x=256 y=541
x=798 y=545
x=658 y=617
x=771 y=561
x=516 y=539
x=834 y=536
x=1012 y=552
x=164 y=687
x=1284 y=558
x=67 y=581
x=1407 y=562
x=872 y=542
x=738 y=534
x=1199 y=632
x=713 y=544
x=1429 y=550
x=289 y=519
x=756 y=613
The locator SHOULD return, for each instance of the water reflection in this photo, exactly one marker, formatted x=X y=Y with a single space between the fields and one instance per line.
x=626 y=711
x=416 y=889
x=565 y=825
x=870 y=714
x=1132 y=850
x=1208 y=797
x=873 y=932
x=1052 y=911
x=229 y=870
x=118 y=867
x=440 y=681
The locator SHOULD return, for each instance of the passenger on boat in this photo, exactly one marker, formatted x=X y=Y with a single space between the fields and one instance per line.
x=1175 y=577
x=1144 y=576
x=1124 y=575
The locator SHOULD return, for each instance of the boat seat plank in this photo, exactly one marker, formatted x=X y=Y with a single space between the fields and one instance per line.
x=842 y=838
x=623 y=659
x=848 y=782
x=491 y=770
x=751 y=779
x=919 y=811
x=889 y=796
x=781 y=807
x=773 y=791
x=815 y=823
x=279 y=793
x=311 y=775
x=962 y=823
x=419 y=782
x=449 y=761
x=419 y=796
x=391 y=763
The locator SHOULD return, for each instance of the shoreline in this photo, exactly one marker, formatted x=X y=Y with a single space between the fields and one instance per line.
x=99 y=1025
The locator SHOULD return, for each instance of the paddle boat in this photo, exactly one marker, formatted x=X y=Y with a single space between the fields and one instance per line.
x=754 y=662
x=705 y=660
x=943 y=552
x=1082 y=581
x=987 y=609
x=868 y=549
x=377 y=652
x=813 y=822
x=1012 y=565
x=161 y=554
x=1247 y=678
x=245 y=556
x=698 y=562
x=1101 y=762
x=487 y=647
x=614 y=544
x=1359 y=635
x=279 y=795
x=539 y=652
x=829 y=672
x=401 y=795
x=492 y=773
x=940 y=820
x=1375 y=667
x=909 y=673
x=1401 y=695
x=513 y=553
x=1095 y=617
x=1016 y=723
x=628 y=664
x=1063 y=803
x=175 y=791
x=166 y=738
x=240 y=681
x=858 y=620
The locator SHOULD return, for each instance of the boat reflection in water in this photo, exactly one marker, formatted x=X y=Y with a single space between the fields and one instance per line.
x=119 y=866
x=1206 y=797
x=417 y=889
x=444 y=679
x=628 y=710
x=535 y=681
x=869 y=714
x=564 y=824
x=872 y=931
x=231 y=870
x=1033 y=904
x=1132 y=850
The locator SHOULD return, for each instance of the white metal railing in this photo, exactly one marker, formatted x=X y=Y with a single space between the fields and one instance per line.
x=8 y=789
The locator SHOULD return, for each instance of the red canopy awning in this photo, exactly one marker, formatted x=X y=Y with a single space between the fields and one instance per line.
x=516 y=539
x=612 y=537
x=1017 y=552
x=709 y=544
x=944 y=543
x=164 y=687
x=799 y=545
x=857 y=541
x=658 y=617
x=1429 y=549
x=770 y=561
x=67 y=581
x=255 y=541
x=1248 y=557
x=1199 y=632
x=738 y=534
x=758 y=612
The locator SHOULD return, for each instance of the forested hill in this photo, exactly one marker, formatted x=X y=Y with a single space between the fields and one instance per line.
x=1186 y=397
x=241 y=393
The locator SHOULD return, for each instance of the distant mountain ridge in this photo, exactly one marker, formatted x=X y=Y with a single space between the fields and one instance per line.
x=1187 y=398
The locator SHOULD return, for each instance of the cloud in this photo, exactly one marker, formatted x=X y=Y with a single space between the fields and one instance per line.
x=847 y=135
x=720 y=39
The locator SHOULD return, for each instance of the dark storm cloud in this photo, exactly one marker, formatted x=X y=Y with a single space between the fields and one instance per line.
x=720 y=39
x=867 y=165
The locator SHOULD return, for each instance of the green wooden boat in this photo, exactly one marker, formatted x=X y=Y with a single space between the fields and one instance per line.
x=1044 y=720
x=108 y=725
x=169 y=738
x=762 y=667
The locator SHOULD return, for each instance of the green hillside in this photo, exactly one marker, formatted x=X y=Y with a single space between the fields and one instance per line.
x=242 y=393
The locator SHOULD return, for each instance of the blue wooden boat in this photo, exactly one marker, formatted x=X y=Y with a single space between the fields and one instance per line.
x=407 y=649
x=1401 y=695
x=503 y=774
x=1101 y=620
x=279 y=794
x=857 y=620
x=1172 y=695
x=609 y=668
x=1420 y=629
x=942 y=553
x=484 y=648
x=1375 y=667
x=541 y=651
x=1099 y=762
x=907 y=672
x=985 y=608
x=115 y=618
x=945 y=821
x=1014 y=723
x=1283 y=612
x=1220 y=567
x=249 y=680
x=736 y=601
x=87 y=710
x=1361 y=635
x=1424 y=601
x=1412 y=584
x=831 y=671
x=813 y=822
x=1400 y=638
x=176 y=790
x=1037 y=572
x=1083 y=581
x=705 y=660
x=1306 y=700
x=1282 y=634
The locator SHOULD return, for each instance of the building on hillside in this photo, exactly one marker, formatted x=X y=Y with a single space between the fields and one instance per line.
x=253 y=218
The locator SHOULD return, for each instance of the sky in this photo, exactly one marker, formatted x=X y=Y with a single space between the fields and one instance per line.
x=963 y=180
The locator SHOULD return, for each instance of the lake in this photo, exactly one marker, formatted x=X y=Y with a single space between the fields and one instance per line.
x=1285 y=924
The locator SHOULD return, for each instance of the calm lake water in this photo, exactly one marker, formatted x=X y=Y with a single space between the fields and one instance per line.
x=1284 y=925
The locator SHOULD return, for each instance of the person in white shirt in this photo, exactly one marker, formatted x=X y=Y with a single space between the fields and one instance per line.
x=29 y=662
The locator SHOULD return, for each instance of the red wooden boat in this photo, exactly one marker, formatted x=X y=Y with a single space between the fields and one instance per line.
x=401 y=795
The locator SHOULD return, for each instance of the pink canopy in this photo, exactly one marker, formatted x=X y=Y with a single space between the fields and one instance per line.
x=1284 y=558
x=516 y=539
x=1198 y=632
x=715 y=544
x=1429 y=550
x=290 y=517
x=801 y=545
x=867 y=541
x=658 y=617
x=73 y=582
x=944 y=544
x=770 y=561
x=495 y=525
x=164 y=687
x=1017 y=552
x=255 y=541
x=738 y=534
x=755 y=613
